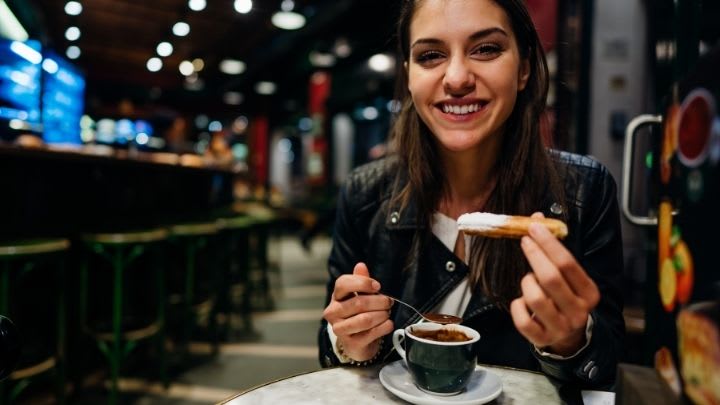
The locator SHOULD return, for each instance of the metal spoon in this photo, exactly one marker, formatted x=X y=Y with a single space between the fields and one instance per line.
x=429 y=316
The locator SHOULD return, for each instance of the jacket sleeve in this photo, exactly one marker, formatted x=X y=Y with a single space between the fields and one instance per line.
x=600 y=254
x=343 y=256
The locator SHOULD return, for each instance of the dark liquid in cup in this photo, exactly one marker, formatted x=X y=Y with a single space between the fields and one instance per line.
x=442 y=335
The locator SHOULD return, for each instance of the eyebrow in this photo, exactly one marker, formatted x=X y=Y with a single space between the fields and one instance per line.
x=477 y=35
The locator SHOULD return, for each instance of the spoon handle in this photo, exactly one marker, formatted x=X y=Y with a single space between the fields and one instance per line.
x=430 y=317
x=407 y=305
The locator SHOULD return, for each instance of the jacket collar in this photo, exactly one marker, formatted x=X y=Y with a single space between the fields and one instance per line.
x=397 y=219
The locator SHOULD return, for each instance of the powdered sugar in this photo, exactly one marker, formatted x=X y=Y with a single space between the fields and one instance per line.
x=481 y=221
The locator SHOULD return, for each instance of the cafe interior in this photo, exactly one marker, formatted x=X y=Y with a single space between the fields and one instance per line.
x=169 y=172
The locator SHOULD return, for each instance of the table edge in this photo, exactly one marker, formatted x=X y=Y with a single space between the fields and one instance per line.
x=379 y=366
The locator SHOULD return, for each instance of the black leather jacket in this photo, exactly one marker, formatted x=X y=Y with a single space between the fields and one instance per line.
x=368 y=229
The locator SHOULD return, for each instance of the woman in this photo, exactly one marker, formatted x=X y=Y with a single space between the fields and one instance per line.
x=473 y=84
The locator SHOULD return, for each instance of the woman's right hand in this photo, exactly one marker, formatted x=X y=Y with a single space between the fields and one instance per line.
x=359 y=316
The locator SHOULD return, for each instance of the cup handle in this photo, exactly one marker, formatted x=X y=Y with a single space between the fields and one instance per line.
x=397 y=343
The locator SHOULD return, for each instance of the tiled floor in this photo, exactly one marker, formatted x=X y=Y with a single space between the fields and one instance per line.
x=284 y=342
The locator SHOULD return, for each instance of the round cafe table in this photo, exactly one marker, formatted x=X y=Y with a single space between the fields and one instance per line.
x=344 y=385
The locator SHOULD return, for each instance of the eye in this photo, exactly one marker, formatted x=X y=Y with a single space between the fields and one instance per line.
x=427 y=57
x=488 y=51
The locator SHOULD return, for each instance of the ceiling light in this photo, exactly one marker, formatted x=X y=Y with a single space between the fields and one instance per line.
x=370 y=113
x=72 y=33
x=72 y=52
x=181 y=29
x=215 y=126
x=186 y=68
x=342 y=48
x=287 y=5
x=73 y=8
x=164 y=49
x=232 y=66
x=320 y=59
x=243 y=6
x=288 y=20
x=50 y=66
x=265 y=88
x=381 y=62
x=197 y=5
x=233 y=98
x=198 y=64
x=154 y=64
x=10 y=27
x=394 y=106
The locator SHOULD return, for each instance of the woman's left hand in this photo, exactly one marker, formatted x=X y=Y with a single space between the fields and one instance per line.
x=557 y=296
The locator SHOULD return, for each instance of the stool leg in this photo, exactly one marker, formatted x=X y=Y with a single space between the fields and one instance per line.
x=79 y=354
x=215 y=294
x=262 y=251
x=223 y=279
x=160 y=274
x=4 y=309
x=117 y=350
x=61 y=334
x=245 y=263
x=189 y=292
x=4 y=289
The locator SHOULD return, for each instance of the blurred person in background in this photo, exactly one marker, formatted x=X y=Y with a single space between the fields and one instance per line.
x=177 y=138
x=218 y=152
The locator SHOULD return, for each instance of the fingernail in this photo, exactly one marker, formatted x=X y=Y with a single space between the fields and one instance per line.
x=524 y=240
x=375 y=285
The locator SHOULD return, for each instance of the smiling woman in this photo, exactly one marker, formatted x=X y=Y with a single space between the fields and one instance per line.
x=473 y=84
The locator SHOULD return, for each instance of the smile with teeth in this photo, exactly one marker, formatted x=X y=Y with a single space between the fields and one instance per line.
x=460 y=110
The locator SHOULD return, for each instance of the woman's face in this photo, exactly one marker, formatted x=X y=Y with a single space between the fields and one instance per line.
x=464 y=71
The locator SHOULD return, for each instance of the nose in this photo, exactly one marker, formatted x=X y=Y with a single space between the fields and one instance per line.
x=458 y=76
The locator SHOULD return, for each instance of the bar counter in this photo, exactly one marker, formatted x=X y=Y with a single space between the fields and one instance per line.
x=45 y=192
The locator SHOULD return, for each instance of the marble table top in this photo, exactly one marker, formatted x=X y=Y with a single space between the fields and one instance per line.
x=346 y=386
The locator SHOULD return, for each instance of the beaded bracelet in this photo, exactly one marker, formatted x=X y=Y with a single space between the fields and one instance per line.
x=349 y=360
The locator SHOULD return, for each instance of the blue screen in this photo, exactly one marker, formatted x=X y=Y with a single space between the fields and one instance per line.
x=63 y=100
x=20 y=84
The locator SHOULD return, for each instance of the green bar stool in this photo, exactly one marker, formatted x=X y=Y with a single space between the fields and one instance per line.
x=192 y=238
x=18 y=258
x=236 y=284
x=121 y=249
x=263 y=221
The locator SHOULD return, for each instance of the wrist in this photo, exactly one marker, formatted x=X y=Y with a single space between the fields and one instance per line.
x=364 y=359
x=568 y=346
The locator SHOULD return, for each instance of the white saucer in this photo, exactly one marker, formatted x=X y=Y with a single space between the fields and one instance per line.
x=484 y=386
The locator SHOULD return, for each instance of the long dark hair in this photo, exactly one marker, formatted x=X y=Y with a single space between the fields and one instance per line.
x=525 y=173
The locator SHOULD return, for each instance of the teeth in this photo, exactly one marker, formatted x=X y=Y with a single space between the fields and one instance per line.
x=460 y=110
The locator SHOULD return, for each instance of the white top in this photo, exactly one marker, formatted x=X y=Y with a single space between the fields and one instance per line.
x=446 y=229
